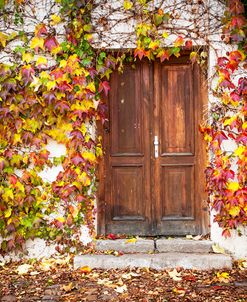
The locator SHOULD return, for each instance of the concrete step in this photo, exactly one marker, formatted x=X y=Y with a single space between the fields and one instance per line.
x=123 y=245
x=158 y=261
x=177 y=245
x=184 y=245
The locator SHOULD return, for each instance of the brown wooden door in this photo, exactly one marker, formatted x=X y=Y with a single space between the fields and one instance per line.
x=144 y=194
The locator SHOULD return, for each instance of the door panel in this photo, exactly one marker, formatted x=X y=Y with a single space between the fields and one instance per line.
x=176 y=108
x=128 y=192
x=144 y=194
x=127 y=124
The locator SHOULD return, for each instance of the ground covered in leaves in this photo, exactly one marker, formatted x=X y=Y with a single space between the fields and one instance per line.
x=55 y=280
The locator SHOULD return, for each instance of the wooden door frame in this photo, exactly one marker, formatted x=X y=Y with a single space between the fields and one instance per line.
x=103 y=163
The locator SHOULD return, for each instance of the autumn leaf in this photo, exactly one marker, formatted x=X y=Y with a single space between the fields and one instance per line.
x=233 y=186
x=132 y=240
x=217 y=249
x=55 y=19
x=128 y=4
x=23 y=269
x=85 y=269
x=104 y=86
x=223 y=277
x=27 y=57
x=234 y=211
x=175 y=275
x=68 y=288
x=41 y=61
x=37 y=43
x=121 y=289
x=179 y=41
x=3 y=39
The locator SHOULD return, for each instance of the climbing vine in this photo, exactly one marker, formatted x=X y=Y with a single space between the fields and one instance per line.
x=226 y=173
x=52 y=88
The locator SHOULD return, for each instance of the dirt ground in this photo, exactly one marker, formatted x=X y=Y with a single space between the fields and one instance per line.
x=55 y=280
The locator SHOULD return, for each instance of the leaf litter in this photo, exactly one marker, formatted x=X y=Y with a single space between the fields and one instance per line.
x=55 y=280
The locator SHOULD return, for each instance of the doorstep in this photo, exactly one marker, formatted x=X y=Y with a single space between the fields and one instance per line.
x=179 y=245
x=155 y=254
x=155 y=261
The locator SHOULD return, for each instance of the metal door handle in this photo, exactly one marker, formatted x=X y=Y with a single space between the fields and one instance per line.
x=156 y=147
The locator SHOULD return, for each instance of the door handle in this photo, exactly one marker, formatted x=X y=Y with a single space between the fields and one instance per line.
x=156 y=147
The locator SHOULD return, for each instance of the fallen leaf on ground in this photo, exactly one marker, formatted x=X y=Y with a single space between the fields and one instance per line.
x=121 y=289
x=132 y=240
x=198 y=237
x=23 y=269
x=223 y=277
x=68 y=288
x=217 y=249
x=179 y=291
x=175 y=275
x=85 y=269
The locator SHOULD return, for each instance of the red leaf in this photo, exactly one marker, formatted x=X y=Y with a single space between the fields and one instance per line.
x=104 y=86
x=139 y=52
x=50 y=43
x=13 y=179
x=111 y=236
x=77 y=159
x=188 y=44
x=220 y=137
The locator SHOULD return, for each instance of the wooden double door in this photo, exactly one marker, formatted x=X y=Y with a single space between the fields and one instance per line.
x=152 y=180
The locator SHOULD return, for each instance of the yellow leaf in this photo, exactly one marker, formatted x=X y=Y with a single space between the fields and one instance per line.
x=91 y=87
x=62 y=63
x=217 y=249
x=7 y=213
x=89 y=155
x=20 y=186
x=240 y=150
x=55 y=19
x=132 y=240
x=50 y=85
x=3 y=39
x=233 y=186
x=85 y=269
x=229 y=121
x=27 y=57
x=44 y=75
x=41 y=61
x=68 y=288
x=234 y=211
x=56 y=50
x=165 y=34
x=223 y=277
x=244 y=125
x=60 y=219
x=84 y=179
x=127 y=4
x=154 y=45
x=17 y=138
x=8 y=194
x=37 y=42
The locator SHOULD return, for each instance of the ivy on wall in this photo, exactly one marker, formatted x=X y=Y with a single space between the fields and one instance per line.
x=54 y=90
x=226 y=173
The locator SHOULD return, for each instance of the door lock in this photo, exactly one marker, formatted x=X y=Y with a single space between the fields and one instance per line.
x=156 y=147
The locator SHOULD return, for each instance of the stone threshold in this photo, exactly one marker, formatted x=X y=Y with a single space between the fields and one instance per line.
x=160 y=261
x=140 y=245
x=154 y=254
